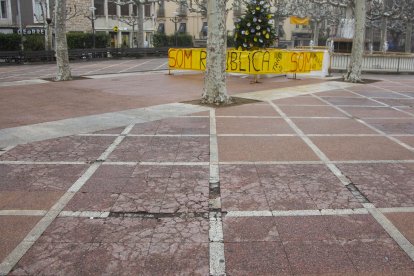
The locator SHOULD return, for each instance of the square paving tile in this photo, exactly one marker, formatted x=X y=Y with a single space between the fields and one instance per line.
x=139 y=202
x=166 y=149
x=304 y=228
x=282 y=187
x=351 y=101
x=247 y=110
x=264 y=149
x=393 y=126
x=381 y=256
x=299 y=187
x=361 y=148
x=73 y=148
x=256 y=258
x=349 y=227
x=374 y=112
x=250 y=229
x=304 y=100
x=253 y=126
x=13 y=230
x=28 y=200
x=404 y=222
x=177 y=125
x=39 y=177
x=177 y=259
x=385 y=185
x=332 y=126
x=318 y=257
x=52 y=259
x=311 y=111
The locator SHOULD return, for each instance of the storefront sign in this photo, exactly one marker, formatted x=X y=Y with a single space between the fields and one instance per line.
x=29 y=31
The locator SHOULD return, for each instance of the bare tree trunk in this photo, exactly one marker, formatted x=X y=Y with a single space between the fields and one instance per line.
x=62 y=56
x=140 y=38
x=215 y=91
x=355 y=64
x=384 y=23
x=408 y=34
x=316 y=33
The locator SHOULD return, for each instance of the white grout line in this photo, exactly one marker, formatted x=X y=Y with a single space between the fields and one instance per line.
x=396 y=209
x=271 y=163
x=84 y=214
x=98 y=135
x=289 y=213
x=253 y=117
x=146 y=135
x=216 y=243
x=392 y=231
x=373 y=162
x=11 y=260
x=23 y=212
x=256 y=135
x=42 y=162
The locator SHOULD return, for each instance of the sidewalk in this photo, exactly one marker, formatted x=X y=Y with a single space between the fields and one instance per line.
x=316 y=179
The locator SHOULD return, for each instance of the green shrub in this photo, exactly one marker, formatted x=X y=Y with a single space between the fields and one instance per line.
x=9 y=42
x=34 y=42
x=162 y=40
x=80 y=40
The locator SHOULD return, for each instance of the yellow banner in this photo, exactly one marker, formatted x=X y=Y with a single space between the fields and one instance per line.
x=299 y=21
x=269 y=61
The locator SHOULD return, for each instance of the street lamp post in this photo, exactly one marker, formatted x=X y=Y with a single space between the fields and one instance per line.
x=175 y=21
x=92 y=9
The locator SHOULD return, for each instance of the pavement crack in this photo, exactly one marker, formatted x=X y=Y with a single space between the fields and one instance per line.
x=148 y=215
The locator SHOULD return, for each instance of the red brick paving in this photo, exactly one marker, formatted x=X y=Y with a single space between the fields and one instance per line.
x=158 y=222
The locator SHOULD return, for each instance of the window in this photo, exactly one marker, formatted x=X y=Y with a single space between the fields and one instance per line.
x=111 y=8
x=147 y=10
x=125 y=10
x=39 y=9
x=99 y=5
x=161 y=28
x=183 y=28
x=3 y=9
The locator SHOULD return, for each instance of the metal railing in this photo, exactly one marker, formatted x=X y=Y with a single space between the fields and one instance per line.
x=394 y=63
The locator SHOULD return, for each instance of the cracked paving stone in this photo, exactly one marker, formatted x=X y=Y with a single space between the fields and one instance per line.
x=178 y=230
x=115 y=259
x=250 y=229
x=52 y=259
x=378 y=256
x=177 y=125
x=39 y=177
x=318 y=257
x=72 y=148
x=177 y=259
x=165 y=149
x=72 y=230
x=385 y=185
x=256 y=258
x=125 y=230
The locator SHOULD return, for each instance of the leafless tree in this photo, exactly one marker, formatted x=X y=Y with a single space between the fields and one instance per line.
x=61 y=15
x=215 y=91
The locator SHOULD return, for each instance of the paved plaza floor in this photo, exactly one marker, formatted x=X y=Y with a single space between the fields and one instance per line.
x=312 y=177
